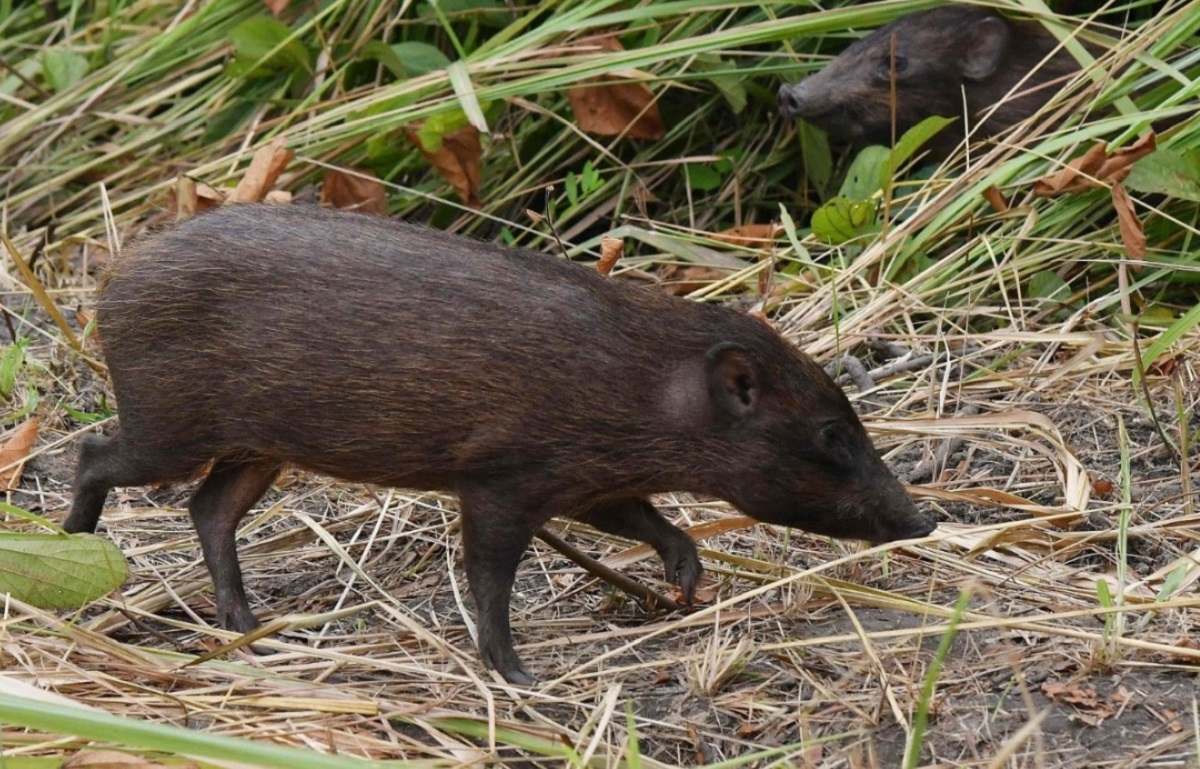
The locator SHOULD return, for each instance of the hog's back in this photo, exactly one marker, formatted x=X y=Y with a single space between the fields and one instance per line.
x=353 y=345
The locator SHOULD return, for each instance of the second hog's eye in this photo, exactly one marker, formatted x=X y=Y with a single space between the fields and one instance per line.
x=889 y=64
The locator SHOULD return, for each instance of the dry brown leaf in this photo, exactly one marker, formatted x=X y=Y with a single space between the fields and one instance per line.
x=662 y=677
x=276 y=7
x=1102 y=487
x=115 y=759
x=751 y=235
x=268 y=163
x=1132 y=233
x=1094 y=168
x=684 y=280
x=354 y=189
x=610 y=251
x=992 y=196
x=14 y=452
x=457 y=160
x=606 y=106
x=1088 y=705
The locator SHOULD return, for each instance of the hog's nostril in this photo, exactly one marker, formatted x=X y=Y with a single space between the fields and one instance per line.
x=791 y=100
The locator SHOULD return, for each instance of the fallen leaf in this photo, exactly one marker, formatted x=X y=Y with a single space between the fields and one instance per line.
x=1171 y=719
x=1102 y=487
x=663 y=677
x=276 y=7
x=14 y=451
x=115 y=759
x=992 y=196
x=613 y=106
x=266 y=166
x=457 y=160
x=684 y=280
x=610 y=251
x=1132 y=233
x=751 y=235
x=749 y=730
x=1094 y=168
x=1084 y=696
x=354 y=189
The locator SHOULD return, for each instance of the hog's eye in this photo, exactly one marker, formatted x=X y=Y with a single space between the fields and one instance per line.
x=833 y=445
x=887 y=65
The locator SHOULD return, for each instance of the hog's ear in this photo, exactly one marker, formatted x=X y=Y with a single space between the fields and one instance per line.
x=985 y=48
x=734 y=382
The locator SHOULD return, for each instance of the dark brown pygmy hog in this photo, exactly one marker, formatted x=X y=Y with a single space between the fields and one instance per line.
x=941 y=56
x=376 y=351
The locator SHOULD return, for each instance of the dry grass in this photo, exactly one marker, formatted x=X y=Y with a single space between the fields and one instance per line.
x=1016 y=418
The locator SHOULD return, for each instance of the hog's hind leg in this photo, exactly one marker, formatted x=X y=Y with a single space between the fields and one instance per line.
x=227 y=494
x=496 y=533
x=104 y=463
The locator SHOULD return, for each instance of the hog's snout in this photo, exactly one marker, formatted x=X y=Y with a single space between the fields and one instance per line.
x=795 y=100
x=897 y=517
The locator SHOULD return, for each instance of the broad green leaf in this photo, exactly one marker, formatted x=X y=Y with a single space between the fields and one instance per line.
x=912 y=140
x=1047 y=285
x=729 y=83
x=843 y=219
x=377 y=50
x=862 y=180
x=437 y=126
x=702 y=178
x=264 y=45
x=25 y=70
x=57 y=571
x=63 y=69
x=1174 y=173
x=818 y=160
x=418 y=58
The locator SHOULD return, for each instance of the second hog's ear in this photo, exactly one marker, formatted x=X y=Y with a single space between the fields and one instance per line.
x=734 y=380
x=986 y=46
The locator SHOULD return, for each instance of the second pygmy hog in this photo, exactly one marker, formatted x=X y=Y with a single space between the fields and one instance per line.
x=947 y=61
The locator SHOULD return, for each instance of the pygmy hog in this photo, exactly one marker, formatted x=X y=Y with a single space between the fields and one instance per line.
x=376 y=351
x=942 y=56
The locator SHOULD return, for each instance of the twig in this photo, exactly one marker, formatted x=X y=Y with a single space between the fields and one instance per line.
x=650 y=599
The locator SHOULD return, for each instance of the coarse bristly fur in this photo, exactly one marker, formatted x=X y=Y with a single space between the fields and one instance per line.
x=942 y=56
x=377 y=351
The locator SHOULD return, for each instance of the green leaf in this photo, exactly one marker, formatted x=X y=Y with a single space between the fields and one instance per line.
x=862 y=180
x=730 y=84
x=417 y=58
x=377 y=50
x=1047 y=285
x=10 y=363
x=843 y=219
x=1174 y=173
x=437 y=126
x=818 y=160
x=63 y=69
x=262 y=45
x=702 y=177
x=57 y=571
x=909 y=143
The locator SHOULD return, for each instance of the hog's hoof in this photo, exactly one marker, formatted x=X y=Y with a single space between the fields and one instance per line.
x=681 y=564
